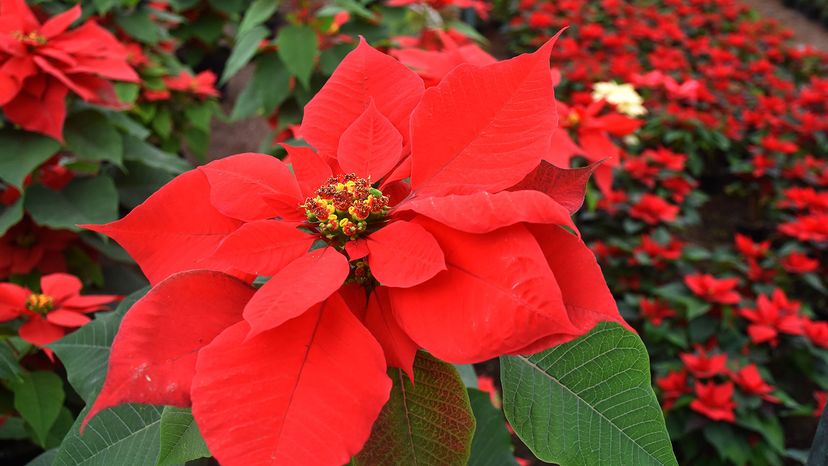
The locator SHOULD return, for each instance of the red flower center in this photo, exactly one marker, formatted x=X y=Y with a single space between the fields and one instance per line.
x=32 y=38
x=40 y=303
x=344 y=208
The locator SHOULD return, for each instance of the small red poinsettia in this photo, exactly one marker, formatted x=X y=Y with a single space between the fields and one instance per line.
x=42 y=62
x=422 y=219
x=715 y=290
x=715 y=401
x=750 y=381
x=56 y=309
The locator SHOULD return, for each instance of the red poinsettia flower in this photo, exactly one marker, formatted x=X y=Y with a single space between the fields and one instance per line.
x=655 y=310
x=26 y=247
x=49 y=314
x=750 y=381
x=433 y=65
x=673 y=386
x=715 y=401
x=813 y=227
x=653 y=209
x=423 y=219
x=797 y=262
x=821 y=400
x=593 y=125
x=750 y=249
x=41 y=63
x=768 y=320
x=202 y=85
x=713 y=289
x=817 y=332
x=703 y=366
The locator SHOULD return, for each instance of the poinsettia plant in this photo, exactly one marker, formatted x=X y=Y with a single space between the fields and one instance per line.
x=420 y=220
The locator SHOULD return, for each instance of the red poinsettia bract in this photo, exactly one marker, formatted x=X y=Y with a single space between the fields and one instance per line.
x=41 y=63
x=48 y=314
x=423 y=219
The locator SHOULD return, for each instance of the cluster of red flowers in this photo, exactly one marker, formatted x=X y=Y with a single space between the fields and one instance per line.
x=733 y=108
x=43 y=61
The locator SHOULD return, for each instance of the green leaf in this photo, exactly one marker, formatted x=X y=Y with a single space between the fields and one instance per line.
x=126 y=435
x=139 y=182
x=91 y=136
x=60 y=428
x=139 y=25
x=10 y=215
x=84 y=200
x=162 y=123
x=244 y=50
x=426 y=423
x=9 y=367
x=181 y=440
x=85 y=352
x=38 y=397
x=137 y=150
x=819 y=449
x=258 y=12
x=298 y=47
x=22 y=153
x=730 y=446
x=268 y=88
x=44 y=459
x=492 y=444
x=587 y=402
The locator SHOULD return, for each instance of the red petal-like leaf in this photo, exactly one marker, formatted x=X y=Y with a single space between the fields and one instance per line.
x=483 y=128
x=404 y=254
x=253 y=187
x=60 y=286
x=356 y=249
x=153 y=356
x=304 y=282
x=561 y=149
x=566 y=186
x=398 y=347
x=66 y=318
x=304 y=393
x=60 y=23
x=174 y=229
x=497 y=294
x=263 y=247
x=482 y=212
x=371 y=146
x=584 y=290
x=364 y=74
x=310 y=168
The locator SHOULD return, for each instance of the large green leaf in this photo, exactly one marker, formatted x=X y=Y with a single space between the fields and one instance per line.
x=587 y=402
x=181 y=440
x=492 y=444
x=141 y=151
x=9 y=367
x=84 y=200
x=10 y=216
x=819 y=449
x=91 y=136
x=22 y=153
x=126 y=435
x=269 y=87
x=85 y=352
x=428 y=422
x=38 y=397
x=244 y=50
x=258 y=12
x=298 y=47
